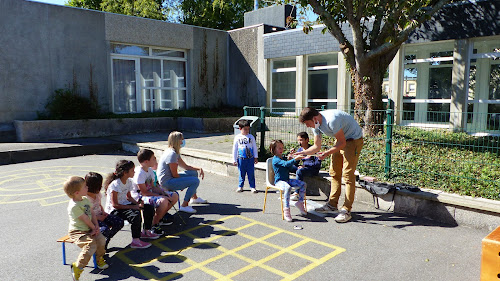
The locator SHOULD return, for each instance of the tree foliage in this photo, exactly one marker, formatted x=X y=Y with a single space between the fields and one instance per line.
x=219 y=14
x=152 y=9
x=378 y=29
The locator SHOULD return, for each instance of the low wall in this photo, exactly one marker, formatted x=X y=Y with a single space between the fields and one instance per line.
x=41 y=130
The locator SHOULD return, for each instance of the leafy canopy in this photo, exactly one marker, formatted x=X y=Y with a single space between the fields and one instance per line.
x=152 y=9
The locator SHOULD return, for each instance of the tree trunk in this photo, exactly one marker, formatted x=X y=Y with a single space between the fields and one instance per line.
x=369 y=108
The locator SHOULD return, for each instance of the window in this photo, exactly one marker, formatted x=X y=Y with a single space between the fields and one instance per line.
x=147 y=78
x=283 y=83
x=427 y=82
x=322 y=81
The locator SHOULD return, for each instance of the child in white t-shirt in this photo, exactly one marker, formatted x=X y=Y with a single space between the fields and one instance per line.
x=157 y=201
x=245 y=155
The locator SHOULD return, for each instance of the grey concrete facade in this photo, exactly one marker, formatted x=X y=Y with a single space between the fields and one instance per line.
x=272 y=15
x=246 y=72
x=46 y=45
x=42 y=46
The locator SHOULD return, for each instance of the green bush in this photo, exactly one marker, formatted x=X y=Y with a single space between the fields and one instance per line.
x=65 y=104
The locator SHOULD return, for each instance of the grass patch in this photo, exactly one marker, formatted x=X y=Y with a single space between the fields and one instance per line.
x=437 y=159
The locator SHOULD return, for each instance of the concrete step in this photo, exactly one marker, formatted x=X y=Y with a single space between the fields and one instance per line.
x=11 y=153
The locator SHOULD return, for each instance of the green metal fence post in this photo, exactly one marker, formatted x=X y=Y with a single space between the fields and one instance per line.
x=388 y=137
x=262 y=129
x=245 y=110
x=322 y=107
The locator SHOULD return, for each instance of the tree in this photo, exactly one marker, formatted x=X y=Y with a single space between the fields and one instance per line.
x=219 y=14
x=152 y=9
x=378 y=27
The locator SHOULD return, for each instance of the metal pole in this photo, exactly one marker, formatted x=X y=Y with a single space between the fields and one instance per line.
x=262 y=129
x=388 y=137
x=245 y=110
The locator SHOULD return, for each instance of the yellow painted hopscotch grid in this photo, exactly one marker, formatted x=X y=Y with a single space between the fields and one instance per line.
x=192 y=265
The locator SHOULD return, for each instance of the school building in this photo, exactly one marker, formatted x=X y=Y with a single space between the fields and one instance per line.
x=446 y=74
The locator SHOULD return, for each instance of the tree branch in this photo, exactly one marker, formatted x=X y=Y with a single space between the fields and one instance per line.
x=357 y=33
x=403 y=35
x=377 y=23
x=335 y=30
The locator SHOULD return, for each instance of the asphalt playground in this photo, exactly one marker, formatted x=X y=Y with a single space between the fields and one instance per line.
x=228 y=239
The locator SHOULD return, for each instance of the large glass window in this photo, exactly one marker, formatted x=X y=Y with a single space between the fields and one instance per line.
x=283 y=83
x=161 y=74
x=484 y=90
x=322 y=81
x=427 y=82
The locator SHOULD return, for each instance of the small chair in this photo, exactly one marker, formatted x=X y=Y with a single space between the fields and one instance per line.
x=269 y=184
x=67 y=239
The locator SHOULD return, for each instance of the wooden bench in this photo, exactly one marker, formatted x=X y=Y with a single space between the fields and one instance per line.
x=67 y=239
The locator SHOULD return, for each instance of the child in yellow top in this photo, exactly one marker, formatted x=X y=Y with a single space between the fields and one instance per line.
x=83 y=227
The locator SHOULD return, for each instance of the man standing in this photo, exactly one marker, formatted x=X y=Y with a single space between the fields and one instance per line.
x=345 y=154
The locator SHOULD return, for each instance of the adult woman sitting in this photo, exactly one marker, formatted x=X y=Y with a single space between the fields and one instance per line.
x=171 y=179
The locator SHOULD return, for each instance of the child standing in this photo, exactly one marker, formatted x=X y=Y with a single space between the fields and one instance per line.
x=119 y=202
x=157 y=202
x=245 y=155
x=109 y=225
x=282 y=179
x=83 y=227
x=310 y=164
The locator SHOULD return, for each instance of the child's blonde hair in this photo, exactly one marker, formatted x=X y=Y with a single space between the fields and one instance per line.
x=273 y=145
x=73 y=185
x=175 y=140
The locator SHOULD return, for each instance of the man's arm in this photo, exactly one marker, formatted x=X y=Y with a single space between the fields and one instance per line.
x=339 y=144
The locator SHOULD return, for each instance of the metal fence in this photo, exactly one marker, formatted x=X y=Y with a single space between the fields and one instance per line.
x=431 y=154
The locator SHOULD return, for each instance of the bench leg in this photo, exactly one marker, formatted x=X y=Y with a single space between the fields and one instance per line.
x=95 y=261
x=64 y=253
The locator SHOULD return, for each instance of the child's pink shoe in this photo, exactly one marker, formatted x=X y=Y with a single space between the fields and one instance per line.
x=138 y=244
x=300 y=206
x=147 y=234
x=288 y=216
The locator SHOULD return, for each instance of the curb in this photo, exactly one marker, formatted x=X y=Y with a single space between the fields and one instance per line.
x=431 y=204
x=64 y=149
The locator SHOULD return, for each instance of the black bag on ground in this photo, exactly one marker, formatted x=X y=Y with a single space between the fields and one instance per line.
x=406 y=186
x=377 y=188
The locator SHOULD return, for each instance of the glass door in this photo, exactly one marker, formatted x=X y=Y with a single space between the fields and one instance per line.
x=124 y=85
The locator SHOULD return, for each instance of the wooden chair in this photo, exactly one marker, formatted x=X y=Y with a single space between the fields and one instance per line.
x=269 y=185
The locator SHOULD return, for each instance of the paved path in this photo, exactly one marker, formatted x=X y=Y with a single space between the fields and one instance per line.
x=229 y=239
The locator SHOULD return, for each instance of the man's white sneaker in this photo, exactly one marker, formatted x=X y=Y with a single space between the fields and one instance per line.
x=343 y=216
x=187 y=209
x=253 y=190
x=198 y=200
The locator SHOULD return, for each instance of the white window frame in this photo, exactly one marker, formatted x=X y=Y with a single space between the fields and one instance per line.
x=141 y=99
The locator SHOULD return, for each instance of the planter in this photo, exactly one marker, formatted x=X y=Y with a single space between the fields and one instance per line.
x=42 y=130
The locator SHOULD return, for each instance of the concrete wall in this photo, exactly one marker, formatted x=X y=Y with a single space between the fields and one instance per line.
x=273 y=15
x=245 y=48
x=41 y=47
x=208 y=66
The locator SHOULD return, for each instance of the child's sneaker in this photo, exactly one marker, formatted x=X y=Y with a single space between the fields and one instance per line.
x=76 y=272
x=300 y=206
x=288 y=216
x=138 y=244
x=166 y=221
x=294 y=197
x=253 y=190
x=239 y=189
x=149 y=235
x=101 y=264
x=198 y=200
x=156 y=229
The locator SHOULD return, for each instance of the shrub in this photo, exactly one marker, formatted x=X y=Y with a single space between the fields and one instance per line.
x=65 y=104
